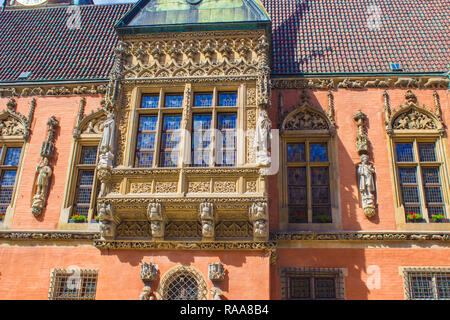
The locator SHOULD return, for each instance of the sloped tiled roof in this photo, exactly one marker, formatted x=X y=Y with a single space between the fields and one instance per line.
x=328 y=36
x=39 y=41
x=309 y=36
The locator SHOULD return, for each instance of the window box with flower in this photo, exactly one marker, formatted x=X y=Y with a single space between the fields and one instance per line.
x=438 y=218
x=414 y=217
x=2 y=217
x=78 y=218
x=94 y=219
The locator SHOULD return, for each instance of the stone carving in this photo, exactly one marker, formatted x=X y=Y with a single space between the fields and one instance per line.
x=413 y=119
x=258 y=215
x=216 y=271
x=183 y=229
x=149 y=271
x=225 y=186
x=89 y=124
x=411 y=115
x=141 y=187
x=157 y=220
x=133 y=229
x=366 y=172
x=263 y=137
x=44 y=171
x=251 y=186
x=216 y=292
x=147 y=294
x=360 y=83
x=234 y=229
x=166 y=187
x=106 y=153
x=108 y=220
x=13 y=123
x=199 y=186
x=208 y=218
x=305 y=119
x=196 y=54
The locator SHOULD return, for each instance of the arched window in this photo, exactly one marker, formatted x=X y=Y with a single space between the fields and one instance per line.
x=310 y=188
x=419 y=162
x=183 y=283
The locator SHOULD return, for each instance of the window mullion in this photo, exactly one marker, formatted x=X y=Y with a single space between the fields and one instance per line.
x=158 y=138
x=308 y=182
x=420 y=185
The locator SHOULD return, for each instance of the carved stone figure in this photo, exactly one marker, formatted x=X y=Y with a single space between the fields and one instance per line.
x=107 y=220
x=216 y=271
x=149 y=271
x=155 y=215
x=216 y=293
x=207 y=217
x=259 y=216
x=157 y=228
x=107 y=143
x=263 y=137
x=44 y=175
x=366 y=172
x=306 y=120
x=147 y=294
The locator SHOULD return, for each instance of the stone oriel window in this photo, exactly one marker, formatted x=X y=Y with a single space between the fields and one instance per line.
x=183 y=283
x=312 y=284
x=420 y=180
x=427 y=283
x=76 y=284
x=169 y=124
x=86 y=186
x=9 y=163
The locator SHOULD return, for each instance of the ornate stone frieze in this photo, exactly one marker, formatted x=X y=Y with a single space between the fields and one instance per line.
x=361 y=83
x=141 y=187
x=44 y=171
x=225 y=186
x=358 y=236
x=133 y=229
x=81 y=89
x=199 y=186
x=183 y=229
x=234 y=229
x=48 y=235
x=412 y=116
x=250 y=186
x=166 y=186
x=195 y=56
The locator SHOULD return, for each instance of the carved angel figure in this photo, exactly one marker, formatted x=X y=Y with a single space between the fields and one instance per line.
x=263 y=137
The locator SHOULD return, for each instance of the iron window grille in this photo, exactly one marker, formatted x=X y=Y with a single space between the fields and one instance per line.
x=183 y=283
x=73 y=284
x=312 y=284
x=427 y=283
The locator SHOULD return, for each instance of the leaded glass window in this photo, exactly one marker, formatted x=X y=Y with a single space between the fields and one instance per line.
x=145 y=146
x=10 y=158
x=174 y=100
x=201 y=140
x=170 y=141
x=85 y=184
x=227 y=99
x=203 y=100
x=150 y=101
x=308 y=182
x=423 y=284
x=226 y=141
x=420 y=181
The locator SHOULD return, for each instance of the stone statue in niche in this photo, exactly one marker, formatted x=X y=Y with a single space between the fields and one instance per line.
x=263 y=137
x=366 y=173
x=106 y=147
x=44 y=173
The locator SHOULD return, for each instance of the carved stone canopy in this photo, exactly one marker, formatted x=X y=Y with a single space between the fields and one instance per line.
x=14 y=124
x=307 y=118
x=412 y=116
x=216 y=271
x=149 y=271
x=91 y=123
